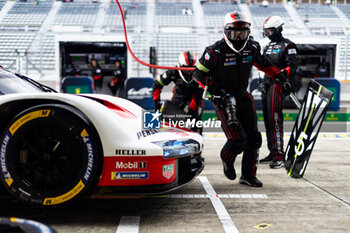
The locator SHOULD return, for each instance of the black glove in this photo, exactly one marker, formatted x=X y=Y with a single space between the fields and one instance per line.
x=287 y=88
x=157 y=105
x=282 y=78
x=262 y=86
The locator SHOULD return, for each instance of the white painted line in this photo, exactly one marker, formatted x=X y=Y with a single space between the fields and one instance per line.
x=322 y=136
x=129 y=224
x=220 y=209
x=229 y=195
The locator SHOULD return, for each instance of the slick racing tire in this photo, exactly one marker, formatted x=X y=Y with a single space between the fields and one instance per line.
x=19 y=225
x=50 y=155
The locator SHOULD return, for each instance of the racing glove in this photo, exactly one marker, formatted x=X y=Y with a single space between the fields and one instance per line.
x=157 y=105
x=282 y=76
x=286 y=88
x=262 y=86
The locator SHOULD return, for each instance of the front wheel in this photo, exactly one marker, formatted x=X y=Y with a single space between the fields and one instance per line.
x=50 y=155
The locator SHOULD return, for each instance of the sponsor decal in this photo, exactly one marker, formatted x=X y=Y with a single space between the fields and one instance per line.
x=129 y=175
x=230 y=63
x=28 y=117
x=292 y=51
x=230 y=55
x=65 y=197
x=130 y=152
x=87 y=141
x=151 y=120
x=142 y=93
x=131 y=165
x=206 y=56
x=168 y=171
x=4 y=169
x=276 y=51
x=146 y=133
x=247 y=59
x=278 y=133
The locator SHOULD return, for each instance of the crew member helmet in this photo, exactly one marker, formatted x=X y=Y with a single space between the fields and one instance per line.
x=236 y=26
x=273 y=25
x=187 y=59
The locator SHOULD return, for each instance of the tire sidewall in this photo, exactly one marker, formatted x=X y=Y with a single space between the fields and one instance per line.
x=90 y=164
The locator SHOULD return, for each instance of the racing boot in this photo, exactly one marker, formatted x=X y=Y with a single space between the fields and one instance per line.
x=229 y=171
x=267 y=159
x=276 y=164
x=250 y=181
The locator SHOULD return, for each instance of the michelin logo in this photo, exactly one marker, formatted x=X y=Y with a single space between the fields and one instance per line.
x=129 y=175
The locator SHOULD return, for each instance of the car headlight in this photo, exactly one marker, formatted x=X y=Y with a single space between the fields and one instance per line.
x=179 y=148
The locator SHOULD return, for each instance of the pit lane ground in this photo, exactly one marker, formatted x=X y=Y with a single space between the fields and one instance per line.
x=212 y=203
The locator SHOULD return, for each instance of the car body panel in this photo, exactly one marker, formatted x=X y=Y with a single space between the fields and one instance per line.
x=131 y=156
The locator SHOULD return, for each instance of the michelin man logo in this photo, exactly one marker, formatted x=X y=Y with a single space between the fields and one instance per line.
x=151 y=120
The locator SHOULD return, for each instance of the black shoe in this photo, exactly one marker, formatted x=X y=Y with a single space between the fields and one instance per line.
x=229 y=171
x=267 y=159
x=276 y=164
x=251 y=181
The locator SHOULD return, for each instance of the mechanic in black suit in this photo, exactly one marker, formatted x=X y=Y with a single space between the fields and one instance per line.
x=228 y=63
x=281 y=53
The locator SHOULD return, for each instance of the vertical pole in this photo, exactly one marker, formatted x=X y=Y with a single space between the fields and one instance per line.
x=26 y=57
x=18 y=62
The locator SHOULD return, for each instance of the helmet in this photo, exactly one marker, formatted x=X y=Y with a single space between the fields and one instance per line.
x=273 y=27
x=236 y=30
x=187 y=59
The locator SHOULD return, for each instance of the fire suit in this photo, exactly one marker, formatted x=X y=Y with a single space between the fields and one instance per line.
x=281 y=54
x=97 y=75
x=186 y=96
x=229 y=72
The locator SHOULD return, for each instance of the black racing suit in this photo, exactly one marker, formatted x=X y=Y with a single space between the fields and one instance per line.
x=97 y=75
x=118 y=82
x=186 y=96
x=229 y=72
x=281 y=54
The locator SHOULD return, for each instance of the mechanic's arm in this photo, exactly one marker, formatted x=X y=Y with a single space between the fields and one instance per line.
x=196 y=100
x=203 y=67
x=163 y=80
x=291 y=60
x=263 y=64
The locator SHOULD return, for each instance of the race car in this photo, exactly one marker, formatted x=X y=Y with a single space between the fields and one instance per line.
x=57 y=147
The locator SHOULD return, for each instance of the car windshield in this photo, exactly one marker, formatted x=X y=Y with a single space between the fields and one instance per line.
x=11 y=83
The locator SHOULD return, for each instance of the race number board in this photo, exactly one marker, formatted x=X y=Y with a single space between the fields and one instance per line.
x=306 y=129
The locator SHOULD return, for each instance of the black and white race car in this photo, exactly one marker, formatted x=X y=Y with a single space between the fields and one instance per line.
x=57 y=147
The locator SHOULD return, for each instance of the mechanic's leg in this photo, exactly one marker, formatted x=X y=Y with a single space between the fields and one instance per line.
x=250 y=161
x=251 y=155
x=266 y=97
x=235 y=144
x=277 y=122
x=267 y=111
x=248 y=118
